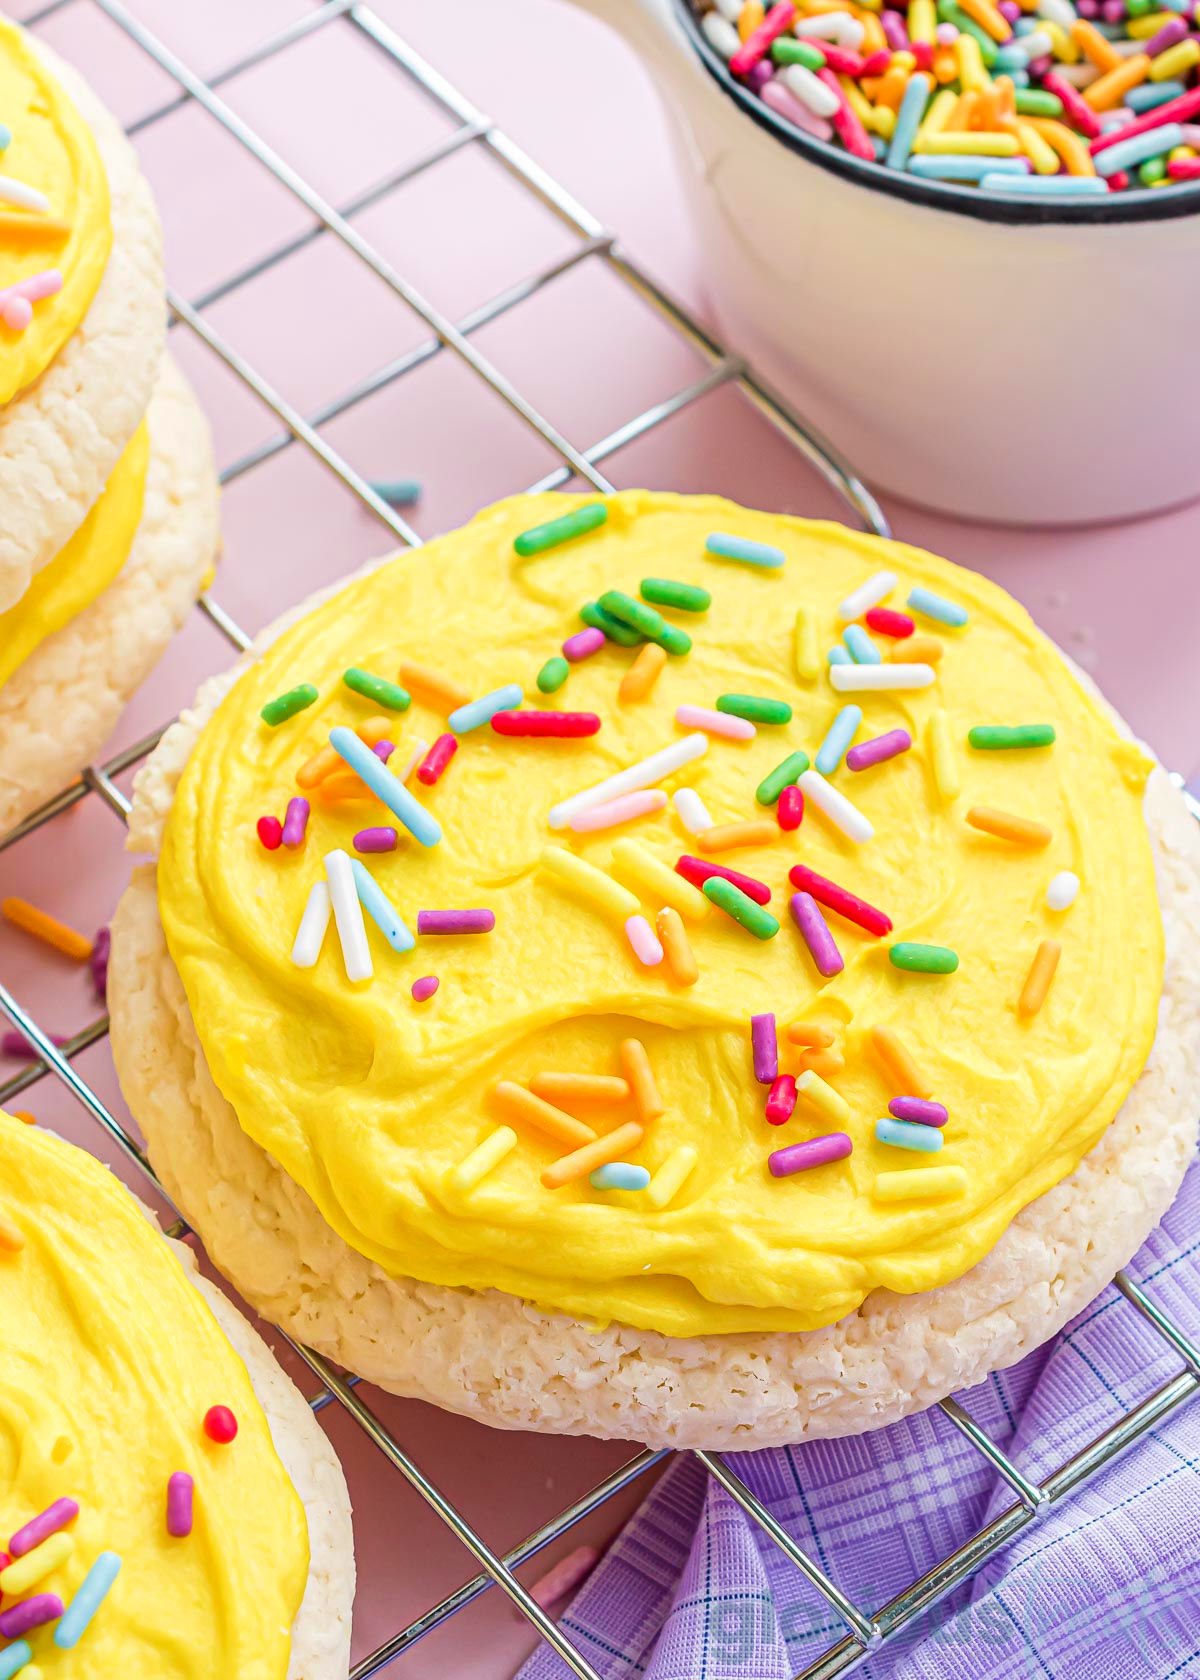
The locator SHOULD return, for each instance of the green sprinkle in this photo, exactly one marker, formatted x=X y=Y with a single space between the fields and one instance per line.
x=755 y=707
x=743 y=909
x=645 y=620
x=553 y=674
x=377 y=689
x=787 y=51
x=1036 y=102
x=922 y=959
x=1153 y=170
x=612 y=627
x=793 y=767
x=577 y=523
x=996 y=737
x=948 y=12
x=684 y=597
x=285 y=706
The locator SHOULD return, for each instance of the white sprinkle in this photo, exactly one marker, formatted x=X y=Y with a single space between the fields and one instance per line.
x=840 y=27
x=419 y=749
x=715 y=723
x=1060 y=12
x=644 y=941
x=810 y=90
x=310 y=935
x=348 y=916
x=720 y=34
x=868 y=594
x=853 y=679
x=16 y=192
x=691 y=810
x=835 y=805
x=1062 y=891
x=645 y=773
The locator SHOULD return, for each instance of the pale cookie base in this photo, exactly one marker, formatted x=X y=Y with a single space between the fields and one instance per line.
x=502 y=1360
x=61 y=437
x=59 y=707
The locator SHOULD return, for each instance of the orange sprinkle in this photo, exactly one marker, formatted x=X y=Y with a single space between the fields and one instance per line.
x=945 y=66
x=1095 y=46
x=891 y=87
x=749 y=18
x=17 y=228
x=12 y=1238
x=960 y=118
x=987 y=110
x=824 y=1062
x=908 y=1080
x=24 y=1115
x=437 y=691
x=1041 y=973
x=1005 y=826
x=42 y=925
x=323 y=763
x=988 y=18
x=643 y=673
x=732 y=835
x=1076 y=158
x=1109 y=91
x=917 y=650
x=342 y=787
x=678 y=952
x=635 y=1064
x=567 y=1088
x=874 y=40
x=804 y=1032
x=516 y=1103
x=598 y=1153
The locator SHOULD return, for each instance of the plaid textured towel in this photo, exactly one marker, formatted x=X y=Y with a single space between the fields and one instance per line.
x=1104 y=1586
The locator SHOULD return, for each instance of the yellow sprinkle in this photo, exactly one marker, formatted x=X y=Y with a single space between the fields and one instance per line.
x=942 y=757
x=642 y=674
x=670 y=1178
x=633 y=862
x=1039 y=152
x=1037 y=984
x=883 y=121
x=27 y=1571
x=971 y=71
x=922 y=21
x=977 y=143
x=611 y=1147
x=590 y=883
x=917 y=650
x=822 y=1096
x=858 y=101
x=1176 y=61
x=47 y=928
x=936 y=117
x=1062 y=47
x=1141 y=29
x=805 y=655
x=912 y=1184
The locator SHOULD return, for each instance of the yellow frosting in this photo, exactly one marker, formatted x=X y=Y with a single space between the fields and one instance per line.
x=367 y=1099
x=85 y=567
x=53 y=150
x=111 y=1359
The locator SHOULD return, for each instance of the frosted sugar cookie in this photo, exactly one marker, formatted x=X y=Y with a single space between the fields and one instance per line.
x=763 y=1093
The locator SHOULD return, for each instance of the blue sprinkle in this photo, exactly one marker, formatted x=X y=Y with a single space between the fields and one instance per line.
x=925 y=601
x=619 y=1175
x=838 y=655
x=741 y=548
x=842 y=731
x=908 y=119
x=14 y=1657
x=380 y=908
x=907 y=1134
x=965 y=168
x=1150 y=94
x=397 y=492
x=5 y=138
x=862 y=649
x=390 y=789
x=1127 y=153
x=477 y=712
x=88 y=1599
x=1044 y=186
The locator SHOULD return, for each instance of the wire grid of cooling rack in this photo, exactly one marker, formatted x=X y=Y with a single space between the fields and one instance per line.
x=866 y=1629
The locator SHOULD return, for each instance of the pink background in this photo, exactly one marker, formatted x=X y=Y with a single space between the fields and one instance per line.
x=1122 y=601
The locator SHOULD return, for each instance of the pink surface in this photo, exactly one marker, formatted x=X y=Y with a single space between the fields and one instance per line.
x=1122 y=601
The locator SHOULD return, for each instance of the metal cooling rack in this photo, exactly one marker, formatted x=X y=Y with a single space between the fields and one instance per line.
x=866 y=1629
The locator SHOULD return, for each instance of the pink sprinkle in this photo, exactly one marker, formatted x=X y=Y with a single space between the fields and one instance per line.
x=760 y=76
x=814 y=930
x=433 y=765
x=583 y=644
x=946 y=34
x=922 y=51
x=1170 y=33
x=564 y=1576
x=781 y=1100
x=455 y=921
x=31 y=1613
x=614 y=811
x=644 y=941
x=784 y=103
x=295 y=822
x=41 y=1527
x=270 y=832
x=179 y=1505
x=16 y=302
x=790 y=809
x=715 y=723
x=383 y=750
x=878 y=750
x=758 y=42
x=817 y=1152
x=16 y=313
x=764 y=1047
x=98 y=961
x=375 y=840
x=425 y=987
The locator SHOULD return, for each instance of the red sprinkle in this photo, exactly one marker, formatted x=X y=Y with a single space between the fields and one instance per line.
x=845 y=63
x=758 y=42
x=790 y=808
x=922 y=51
x=564 y=725
x=220 y=1425
x=888 y=622
x=876 y=63
x=781 y=1099
x=436 y=759
x=698 y=870
x=270 y=832
x=828 y=893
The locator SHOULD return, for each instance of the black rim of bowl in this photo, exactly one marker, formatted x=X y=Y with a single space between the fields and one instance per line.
x=1143 y=204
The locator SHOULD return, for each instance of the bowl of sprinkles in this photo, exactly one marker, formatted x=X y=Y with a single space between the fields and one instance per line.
x=938 y=227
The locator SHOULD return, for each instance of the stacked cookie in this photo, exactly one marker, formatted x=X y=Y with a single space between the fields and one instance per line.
x=107 y=485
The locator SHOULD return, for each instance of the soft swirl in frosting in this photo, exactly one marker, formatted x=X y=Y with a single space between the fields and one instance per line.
x=368 y=1100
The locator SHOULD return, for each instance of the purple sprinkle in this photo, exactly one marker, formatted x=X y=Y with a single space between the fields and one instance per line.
x=384 y=750
x=894 y=31
x=41 y=1527
x=765 y=1048
x=17 y=1045
x=1009 y=10
x=98 y=961
x=917 y=1109
x=425 y=987
x=583 y=644
x=295 y=822
x=179 y=1505
x=817 y=1152
x=1113 y=11
x=814 y=930
x=760 y=75
x=1037 y=67
x=30 y=1613
x=1088 y=8
x=1168 y=36
x=375 y=840
x=878 y=749
x=455 y=921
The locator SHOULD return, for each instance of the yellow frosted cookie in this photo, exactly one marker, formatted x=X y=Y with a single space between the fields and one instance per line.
x=714 y=1123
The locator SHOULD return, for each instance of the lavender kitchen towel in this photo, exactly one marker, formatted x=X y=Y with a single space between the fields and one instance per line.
x=1104 y=1586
